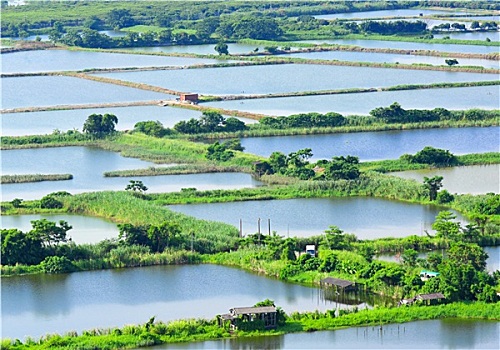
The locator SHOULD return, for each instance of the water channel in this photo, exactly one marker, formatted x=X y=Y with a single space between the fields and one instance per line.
x=381 y=144
x=366 y=217
x=475 y=179
x=267 y=79
x=432 y=334
x=86 y=229
x=35 y=305
x=14 y=124
x=87 y=166
x=60 y=90
x=66 y=60
x=483 y=97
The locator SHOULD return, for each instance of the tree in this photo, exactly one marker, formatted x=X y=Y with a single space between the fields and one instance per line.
x=16 y=202
x=161 y=235
x=119 y=18
x=50 y=202
x=336 y=239
x=20 y=248
x=136 y=186
x=451 y=62
x=151 y=128
x=233 y=124
x=133 y=235
x=433 y=185
x=211 y=121
x=100 y=125
x=219 y=152
x=434 y=156
x=49 y=232
x=221 y=48
x=346 y=168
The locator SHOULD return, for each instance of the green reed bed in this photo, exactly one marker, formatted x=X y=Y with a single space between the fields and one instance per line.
x=385 y=166
x=177 y=170
x=12 y=179
x=190 y=330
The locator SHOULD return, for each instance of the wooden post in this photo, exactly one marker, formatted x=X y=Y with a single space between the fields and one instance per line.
x=258 y=224
x=241 y=228
x=269 y=226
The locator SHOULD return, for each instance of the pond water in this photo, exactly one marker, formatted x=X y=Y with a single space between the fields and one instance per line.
x=493 y=36
x=203 y=49
x=390 y=58
x=35 y=305
x=384 y=13
x=381 y=144
x=476 y=179
x=366 y=217
x=87 y=166
x=14 y=124
x=86 y=229
x=492 y=263
x=483 y=97
x=59 y=90
x=439 y=334
x=406 y=45
x=65 y=60
x=288 y=78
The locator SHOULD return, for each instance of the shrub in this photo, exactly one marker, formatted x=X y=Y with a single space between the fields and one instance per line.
x=50 y=202
x=57 y=264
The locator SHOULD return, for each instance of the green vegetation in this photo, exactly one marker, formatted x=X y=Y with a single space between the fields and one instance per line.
x=11 y=179
x=156 y=332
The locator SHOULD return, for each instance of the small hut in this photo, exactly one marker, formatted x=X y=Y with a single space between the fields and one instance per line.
x=188 y=97
x=431 y=298
x=238 y=315
x=337 y=283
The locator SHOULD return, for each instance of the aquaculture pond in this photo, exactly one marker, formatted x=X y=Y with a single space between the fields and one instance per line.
x=385 y=13
x=406 y=45
x=432 y=334
x=14 y=124
x=85 y=229
x=492 y=263
x=484 y=97
x=70 y=60
x=476 y=179
x=355 y=56
x=36 y=91
x=34 y=305
x=265 y=79
x=366 y=217
x=381 y=144
x=87 y=166
x=202 y=49
x=493 y=36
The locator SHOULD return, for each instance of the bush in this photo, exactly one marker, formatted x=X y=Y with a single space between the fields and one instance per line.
x=57 y=264
x=50 y=202
x=445 y=197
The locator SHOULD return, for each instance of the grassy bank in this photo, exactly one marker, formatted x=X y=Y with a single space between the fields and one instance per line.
x=12 y=179
x=177 y=170
x=154 y=333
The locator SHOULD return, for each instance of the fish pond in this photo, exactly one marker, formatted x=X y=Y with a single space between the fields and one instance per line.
x=380 y=145
x=203 y=49
x=85 y=229
x=384 y=13
x=438 y=334
x=493 y=36
x=14 y=124
x=71 y=60
x=355 y=56
x=476 y=179
x=87 y=165
x=35 y=305
x=406 y=45
x=43 y=91
x=266 y=79
x=366 y=217
x=483 y=97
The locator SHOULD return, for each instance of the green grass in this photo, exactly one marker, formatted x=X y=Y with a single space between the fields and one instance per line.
x=11 y=179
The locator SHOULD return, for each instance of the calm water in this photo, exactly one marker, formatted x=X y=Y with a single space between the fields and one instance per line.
x=86 y=229
x=485 y=97
x=39 y=304
x=409 y=45
x=384 y=13
x=477 y=179
x=14 y=124
x=493 y=36
x=390 y=58
x=87 y=166
x=63 y=60
x=492 y=263
x=59 y=90
x=366 y=217
x=288 y=78
x=380 y=145
x=438 y=334
x=204 y=49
